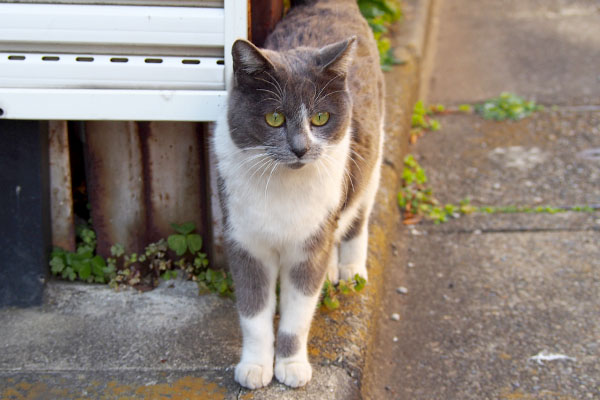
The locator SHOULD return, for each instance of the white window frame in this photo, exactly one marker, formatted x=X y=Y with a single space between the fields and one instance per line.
x=64 y=84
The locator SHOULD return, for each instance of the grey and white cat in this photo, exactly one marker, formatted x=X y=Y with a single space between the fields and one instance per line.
x=299 y=163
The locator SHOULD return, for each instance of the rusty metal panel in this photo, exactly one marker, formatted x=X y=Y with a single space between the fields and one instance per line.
x=174 y=169
x=116 y=184
x=61 y=193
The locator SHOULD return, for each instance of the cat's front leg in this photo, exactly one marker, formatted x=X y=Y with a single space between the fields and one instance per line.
x=254 y=278
x=353 y=249
x=300 y=289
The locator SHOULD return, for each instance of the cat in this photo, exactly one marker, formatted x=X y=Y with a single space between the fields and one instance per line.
x=298 y=164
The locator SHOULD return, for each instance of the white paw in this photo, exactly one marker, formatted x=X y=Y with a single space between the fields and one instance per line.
x=293 y=373
x=253 y=376
x=347 y=271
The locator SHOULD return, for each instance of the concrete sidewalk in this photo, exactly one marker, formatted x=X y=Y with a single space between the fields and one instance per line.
x=503 y=306
x=88 y=341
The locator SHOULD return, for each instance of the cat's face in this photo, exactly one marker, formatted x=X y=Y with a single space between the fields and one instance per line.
x=291 y=105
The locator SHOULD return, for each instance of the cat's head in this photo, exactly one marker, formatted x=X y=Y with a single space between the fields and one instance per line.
x=293 y=104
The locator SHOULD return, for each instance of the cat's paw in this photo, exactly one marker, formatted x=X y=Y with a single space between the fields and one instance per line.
x=253 y=376
x=293 y=373
x=347 y=271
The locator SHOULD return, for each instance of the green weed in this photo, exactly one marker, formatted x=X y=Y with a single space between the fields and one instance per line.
x=143 y=270
x=416 y=201
x=380 y=14
x=422 y=119
x=507 y=106
x=82 y=264
x=330 y=293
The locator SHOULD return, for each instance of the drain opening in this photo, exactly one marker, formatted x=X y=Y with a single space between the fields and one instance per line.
x=153 y=60
x=220 y=62
x=16 y=58
x=194 y=62
x=119 y=59
x=84 y=59
x=50 y=58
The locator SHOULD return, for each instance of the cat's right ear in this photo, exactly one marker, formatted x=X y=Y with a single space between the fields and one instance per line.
x=248 y=59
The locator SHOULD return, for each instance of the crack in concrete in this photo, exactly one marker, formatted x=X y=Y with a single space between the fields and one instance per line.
x=512 y=230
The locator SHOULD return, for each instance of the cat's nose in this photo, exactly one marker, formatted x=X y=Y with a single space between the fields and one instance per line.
x=300 y=151
x=299 y=144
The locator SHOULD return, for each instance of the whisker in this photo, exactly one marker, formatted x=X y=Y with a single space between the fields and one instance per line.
x=246 y=161
x=317 y=164
x=271 y=162
x=277 y=82
x=271 y=83
x=271 y=92
x=327 y=84
x=242 y=149
x=328 y=159
x=262 y=163
x=356 y=154
x=269 y=179
x=271 y=98
x=350 y=176
x=355 y=163
x=327 y=95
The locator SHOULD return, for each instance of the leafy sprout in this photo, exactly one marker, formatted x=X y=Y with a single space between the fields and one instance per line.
x=507 y=106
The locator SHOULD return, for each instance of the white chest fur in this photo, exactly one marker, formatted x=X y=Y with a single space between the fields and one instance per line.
x=273 y=203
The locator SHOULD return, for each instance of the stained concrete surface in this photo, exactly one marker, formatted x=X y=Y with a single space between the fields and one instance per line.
x=486 y=294
x=89 y=341
x=544 y=49
x=536 y=161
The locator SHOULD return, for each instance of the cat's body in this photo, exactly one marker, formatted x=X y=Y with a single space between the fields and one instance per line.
x=296 y=195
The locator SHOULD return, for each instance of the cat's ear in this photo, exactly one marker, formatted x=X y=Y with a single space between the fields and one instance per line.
x=248 y=58
x=338 y=56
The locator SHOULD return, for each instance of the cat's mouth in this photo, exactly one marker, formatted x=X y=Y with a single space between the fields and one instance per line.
x=296 y=165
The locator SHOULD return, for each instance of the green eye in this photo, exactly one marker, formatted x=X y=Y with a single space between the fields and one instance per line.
x=320 y=118
x=275 y=119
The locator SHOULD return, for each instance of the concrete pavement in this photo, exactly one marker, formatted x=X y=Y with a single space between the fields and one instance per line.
x=503 y=306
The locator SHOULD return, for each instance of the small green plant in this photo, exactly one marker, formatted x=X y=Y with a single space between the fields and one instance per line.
x=507 y=106
x=330 y=292
x=416 y=201
x=184 y=239
x=511 y=209
x=380 y=14
x=422 y=119
x=187 y=244
x=216 y=281
x=82 y=264
x=144 y=270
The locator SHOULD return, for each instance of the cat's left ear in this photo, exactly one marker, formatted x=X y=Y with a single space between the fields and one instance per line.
x=338 y=56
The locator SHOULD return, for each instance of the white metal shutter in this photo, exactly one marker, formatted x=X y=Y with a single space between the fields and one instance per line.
x=117 y=62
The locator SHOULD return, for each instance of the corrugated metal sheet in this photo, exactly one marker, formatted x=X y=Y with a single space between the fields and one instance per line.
x=61 y=192
x=174 y=176
x=142 y=177
x=116 y=185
